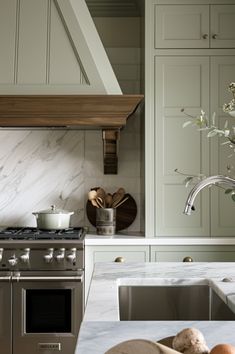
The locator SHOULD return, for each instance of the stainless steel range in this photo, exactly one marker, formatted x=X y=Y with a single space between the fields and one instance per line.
x=41 y=290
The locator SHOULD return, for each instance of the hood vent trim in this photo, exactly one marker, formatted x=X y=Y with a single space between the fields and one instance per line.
x=106 y=112
x=85 y=111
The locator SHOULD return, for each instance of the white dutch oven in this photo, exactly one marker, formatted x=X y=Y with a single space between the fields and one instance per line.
x=53 y=219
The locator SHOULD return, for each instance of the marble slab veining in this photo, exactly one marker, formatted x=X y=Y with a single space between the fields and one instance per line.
x=98 y=337
x=103 y=294
x=101 y=328
x=39 y=168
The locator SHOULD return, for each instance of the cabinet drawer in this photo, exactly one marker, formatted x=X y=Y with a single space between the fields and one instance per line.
x=95 y=254
x=196 y=253
x=182 y=26
x=127 y=253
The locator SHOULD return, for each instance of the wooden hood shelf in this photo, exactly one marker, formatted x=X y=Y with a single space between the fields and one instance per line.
x=106 y=112
x=85 y=111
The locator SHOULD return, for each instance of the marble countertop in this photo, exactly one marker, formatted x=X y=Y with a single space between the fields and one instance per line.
x=101 y=328
x=139 y=239
x=98 y=337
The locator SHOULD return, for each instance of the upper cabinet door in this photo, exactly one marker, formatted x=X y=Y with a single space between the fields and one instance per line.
x=182 y=26
x=222 y=26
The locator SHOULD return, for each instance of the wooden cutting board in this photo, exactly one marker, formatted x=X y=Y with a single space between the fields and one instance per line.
x=126 y=213
x=140 y=346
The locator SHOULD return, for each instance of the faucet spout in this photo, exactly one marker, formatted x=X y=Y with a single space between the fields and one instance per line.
x=202 y=184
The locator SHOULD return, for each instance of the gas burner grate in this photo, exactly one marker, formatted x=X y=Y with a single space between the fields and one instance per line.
x=33 y=233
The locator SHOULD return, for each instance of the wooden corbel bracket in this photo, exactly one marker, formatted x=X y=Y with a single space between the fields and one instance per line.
x=110 y=150
x=106 y=112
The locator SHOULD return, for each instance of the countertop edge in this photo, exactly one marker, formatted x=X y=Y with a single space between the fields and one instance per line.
x=94 y=240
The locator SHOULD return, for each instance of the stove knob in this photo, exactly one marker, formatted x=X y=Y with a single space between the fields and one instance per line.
x=1 y=252
x=60 y=255
x=13 y=261
x=24 y=257
x=49 y=256
x=71 y=257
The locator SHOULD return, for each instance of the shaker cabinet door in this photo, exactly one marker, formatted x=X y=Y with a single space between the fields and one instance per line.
x=222 y=205
x=182 y=26
x=180 y=82
x=194 y=26
x=222 y=26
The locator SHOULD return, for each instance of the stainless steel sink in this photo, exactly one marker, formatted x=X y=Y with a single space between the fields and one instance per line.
x=154 y=303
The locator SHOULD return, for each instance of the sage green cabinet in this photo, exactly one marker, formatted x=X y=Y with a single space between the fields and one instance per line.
x=95 y=254
x=195 y=26
x=154 y=253
x=186 y=70
x=202 y=253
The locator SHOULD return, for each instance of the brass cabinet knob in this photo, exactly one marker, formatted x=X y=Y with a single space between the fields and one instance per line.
x=215 y=36
x=188 y=259
x=119 y=260
x=205 y=36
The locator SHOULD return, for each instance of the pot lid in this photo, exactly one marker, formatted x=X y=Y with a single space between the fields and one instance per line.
x=54 y=210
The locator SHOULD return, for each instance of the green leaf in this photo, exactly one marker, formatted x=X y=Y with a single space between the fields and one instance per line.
x=188 y=180
x=212 y=133
x=228 y=191
x=187 y=123
x=225 y=142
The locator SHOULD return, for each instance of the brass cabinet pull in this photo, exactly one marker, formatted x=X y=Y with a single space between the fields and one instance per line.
x=188 y=259
x=215 y=36
x=119 y=260
x=205 y=36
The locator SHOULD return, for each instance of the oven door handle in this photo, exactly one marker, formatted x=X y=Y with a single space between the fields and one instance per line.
x=5 y=279
x=77 y=278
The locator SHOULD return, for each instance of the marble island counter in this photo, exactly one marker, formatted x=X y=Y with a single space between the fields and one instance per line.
x=101 y=328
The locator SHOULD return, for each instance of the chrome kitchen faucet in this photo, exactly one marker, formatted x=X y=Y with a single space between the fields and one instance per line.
x=202 y=184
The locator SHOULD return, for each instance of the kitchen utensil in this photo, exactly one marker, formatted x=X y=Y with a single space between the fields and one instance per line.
x=101 y=193
x=105 y=221
x=118 y=196
x=53 y=219
x=140 y=346
x=99 y=202
x=94 y=203
x=121 y=201
x=108 y=200
x=92 y=194
x=95 y=198
x=125 y=213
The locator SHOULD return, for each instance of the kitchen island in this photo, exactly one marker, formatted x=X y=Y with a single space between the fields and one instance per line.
x=101 y=328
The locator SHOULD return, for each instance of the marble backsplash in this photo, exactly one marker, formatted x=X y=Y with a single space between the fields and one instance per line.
x=43 y=167
x=40 y=168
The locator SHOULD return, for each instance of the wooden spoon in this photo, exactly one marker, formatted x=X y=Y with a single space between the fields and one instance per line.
x=101 y=193
x=117 y=196
x=99 y=201
x=121 y=201
x=94 y=203
x=108 y=200
x=95 y=200
x=92 y=194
